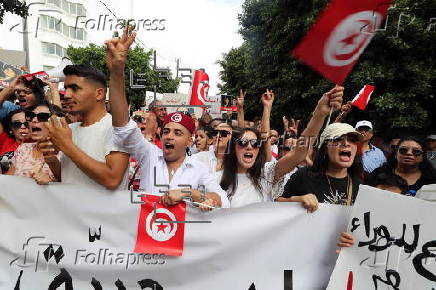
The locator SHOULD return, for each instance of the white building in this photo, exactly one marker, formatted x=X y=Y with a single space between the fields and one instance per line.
x=51 y=27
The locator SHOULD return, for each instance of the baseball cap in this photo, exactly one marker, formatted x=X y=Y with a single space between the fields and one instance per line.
x=364 y=124
x=336 y=130
x=182 y=119
x=431 y=137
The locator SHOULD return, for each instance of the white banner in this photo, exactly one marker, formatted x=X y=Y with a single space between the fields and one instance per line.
x=265 y=246
x=395 y=244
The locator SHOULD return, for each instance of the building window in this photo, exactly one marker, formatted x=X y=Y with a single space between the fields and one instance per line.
x=65 y=6
x=73 y=9
x=51 y=23
x=54 y=49
x=43 y=21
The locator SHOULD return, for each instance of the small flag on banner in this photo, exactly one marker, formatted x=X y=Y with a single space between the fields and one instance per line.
x=160 y=230
x=340 y=35
x=200 y=88
x=361 y=100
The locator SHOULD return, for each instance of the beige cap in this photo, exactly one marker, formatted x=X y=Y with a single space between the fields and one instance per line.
x=337 y=130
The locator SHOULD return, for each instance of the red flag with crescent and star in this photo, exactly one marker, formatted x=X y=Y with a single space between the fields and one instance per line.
x=340 y=35
x=160 y=229
x=200 y=88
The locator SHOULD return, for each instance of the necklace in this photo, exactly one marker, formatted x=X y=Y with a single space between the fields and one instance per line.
x=349 y=188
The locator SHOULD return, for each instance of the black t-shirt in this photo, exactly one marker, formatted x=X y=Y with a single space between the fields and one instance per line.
x=426 y=178
x=304 y=182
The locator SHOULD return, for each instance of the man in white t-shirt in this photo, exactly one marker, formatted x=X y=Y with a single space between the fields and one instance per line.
x=169 y=169
x=89 y=155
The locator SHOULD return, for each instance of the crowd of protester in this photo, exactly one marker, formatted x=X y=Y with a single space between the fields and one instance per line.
x=75 y=135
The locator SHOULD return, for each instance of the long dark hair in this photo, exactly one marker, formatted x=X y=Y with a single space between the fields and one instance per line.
x=321 y=162
x=229 y=180
x=425 y=166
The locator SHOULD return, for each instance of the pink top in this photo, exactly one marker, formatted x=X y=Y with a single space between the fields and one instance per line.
x=25 y=164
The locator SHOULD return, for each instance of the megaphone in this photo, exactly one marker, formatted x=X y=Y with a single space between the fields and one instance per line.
x=55 y=74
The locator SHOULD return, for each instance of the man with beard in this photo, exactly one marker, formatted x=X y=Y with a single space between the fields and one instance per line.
x=170 y=168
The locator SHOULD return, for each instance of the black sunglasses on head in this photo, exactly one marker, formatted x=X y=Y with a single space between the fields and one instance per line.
x=415 y=151
x=41 y=117
x=244 y=142
x=17 y=124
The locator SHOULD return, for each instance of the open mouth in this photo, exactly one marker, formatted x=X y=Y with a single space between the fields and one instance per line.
x=169 y=146
x=22 y=102
x=36 y=129
x=345 y=156
x=248 y=157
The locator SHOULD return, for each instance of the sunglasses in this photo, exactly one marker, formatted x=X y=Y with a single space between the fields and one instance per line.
x=244 y=142
x=41 y=117
x=222 y=133
x=364 y=129
x=349 y=138
x=138 y=119
x=17 y=124
x=415 y=151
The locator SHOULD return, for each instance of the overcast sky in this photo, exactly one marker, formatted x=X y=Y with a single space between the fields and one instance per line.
x=196 y=31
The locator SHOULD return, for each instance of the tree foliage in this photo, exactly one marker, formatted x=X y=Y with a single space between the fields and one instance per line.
x=398 y=62
x=13 y=6
x=138 y=61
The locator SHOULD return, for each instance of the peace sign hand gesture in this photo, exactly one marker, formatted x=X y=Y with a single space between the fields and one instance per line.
x=118 y=48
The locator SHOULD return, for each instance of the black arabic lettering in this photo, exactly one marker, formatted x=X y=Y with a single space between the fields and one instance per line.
x=419 y=259
x=390 y=275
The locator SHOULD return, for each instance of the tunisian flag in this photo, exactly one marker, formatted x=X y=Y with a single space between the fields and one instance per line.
x=341 y=34
x=362 y=99
x=200 y=88
x=155 y=234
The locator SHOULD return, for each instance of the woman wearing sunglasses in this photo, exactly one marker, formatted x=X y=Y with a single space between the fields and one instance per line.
x=16 y=131
x=213 y=156
x=409 y=161
x=28 y=160
x=336 y=172
x=248 y=178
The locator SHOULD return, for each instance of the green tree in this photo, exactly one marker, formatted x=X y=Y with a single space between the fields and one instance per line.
x=13 y=6
x=138 y=63
x=398 y=62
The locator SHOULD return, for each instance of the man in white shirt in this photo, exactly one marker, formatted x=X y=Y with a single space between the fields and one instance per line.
x=169 y=170
x=89 y=155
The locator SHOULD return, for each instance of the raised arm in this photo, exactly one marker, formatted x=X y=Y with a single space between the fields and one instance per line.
x=8 y=92
x=331 y=99
x=116 y=56
x=240 y=105
x=267 y=102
